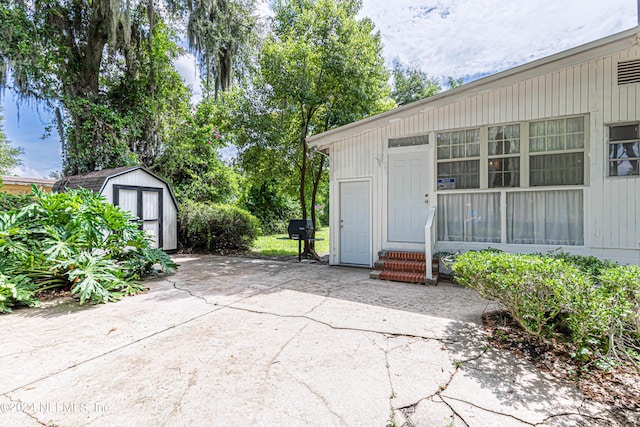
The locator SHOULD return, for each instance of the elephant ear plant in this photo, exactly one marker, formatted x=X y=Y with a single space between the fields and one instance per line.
x=74 y=240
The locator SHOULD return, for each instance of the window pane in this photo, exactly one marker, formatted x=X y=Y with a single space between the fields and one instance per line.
x=536 y=145
x=555 y=143
x=465 y=174
x=556 y=135
x=556 y=169
x=469 y=217
x=624 y=168
x=473 y=135
x=536 y=129
x=555 y=127
x=575 y=141
x=514 y=147
x=461 y=144
x=457 y=151
x=512 y=132
x=575 y=125
x=624 y=151
x=473 y=150
x=443 y=152
x=623 y=133
x=545 y=217
x=493 y=133
x=443 y=139
x=504 y=172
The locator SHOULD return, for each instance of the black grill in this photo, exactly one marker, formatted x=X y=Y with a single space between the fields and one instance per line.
x=300 y=229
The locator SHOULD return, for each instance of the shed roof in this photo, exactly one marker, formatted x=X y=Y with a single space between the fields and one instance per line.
x=95 y=181
x=586 y=52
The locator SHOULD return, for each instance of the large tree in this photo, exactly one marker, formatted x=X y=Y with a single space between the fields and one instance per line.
x=411 y=84
x=221 y=32
x=321 y=68
x=79 y=56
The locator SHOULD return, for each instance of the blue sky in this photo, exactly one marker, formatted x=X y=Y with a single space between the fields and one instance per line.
x=457 y=38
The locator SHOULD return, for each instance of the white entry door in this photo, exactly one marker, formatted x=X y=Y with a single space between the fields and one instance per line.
x=408 y=196
x=355 y=223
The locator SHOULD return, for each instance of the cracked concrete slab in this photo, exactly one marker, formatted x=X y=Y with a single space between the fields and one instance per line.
x=252 y=342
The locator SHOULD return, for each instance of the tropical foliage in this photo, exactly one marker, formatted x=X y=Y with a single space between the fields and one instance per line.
x=73 y=240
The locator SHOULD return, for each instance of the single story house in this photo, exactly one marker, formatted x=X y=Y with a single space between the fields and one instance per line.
x=139 y=191
x=542 y=156
x=21 y=185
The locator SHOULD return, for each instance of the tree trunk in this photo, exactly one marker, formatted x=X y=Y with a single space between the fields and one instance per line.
x=314 y=194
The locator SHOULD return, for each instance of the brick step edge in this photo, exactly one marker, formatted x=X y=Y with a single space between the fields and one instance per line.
x=398 y=276
x=403 y=276
x=395 y=265
x=401 y=256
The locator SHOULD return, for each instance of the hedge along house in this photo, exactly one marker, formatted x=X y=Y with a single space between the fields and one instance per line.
x=138 y=191
x=535 y=158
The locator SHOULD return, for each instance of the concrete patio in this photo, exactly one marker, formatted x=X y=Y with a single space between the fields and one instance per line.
x=239 y=342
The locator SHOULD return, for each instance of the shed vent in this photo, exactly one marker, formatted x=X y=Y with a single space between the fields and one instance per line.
x=409 y=141
x=629 y=72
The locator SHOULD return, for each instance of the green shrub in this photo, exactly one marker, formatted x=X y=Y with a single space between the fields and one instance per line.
x=272 y=208
x=9 y=202
x=597 y=302
x=620 y=286
x=588 y=264
x=524 y=284
x=75 y=240
x=216 y=228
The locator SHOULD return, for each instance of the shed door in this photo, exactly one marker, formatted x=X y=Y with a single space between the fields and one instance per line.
x=355 y=223
x=146 y=204
x=408 y=196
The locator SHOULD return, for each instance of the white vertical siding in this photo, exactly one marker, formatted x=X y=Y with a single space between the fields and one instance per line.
x=612 y=205
x=620 y=196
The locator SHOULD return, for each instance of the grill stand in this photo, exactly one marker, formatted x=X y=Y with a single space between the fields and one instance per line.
x=299 y=244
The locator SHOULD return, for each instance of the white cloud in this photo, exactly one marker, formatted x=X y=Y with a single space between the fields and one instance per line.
x=27 y=172
x=463 y=38
x=187 y=67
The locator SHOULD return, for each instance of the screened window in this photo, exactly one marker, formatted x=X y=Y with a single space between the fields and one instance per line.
x=624 y=150
x=504 y=156
x=459 y=158
x=556 y=150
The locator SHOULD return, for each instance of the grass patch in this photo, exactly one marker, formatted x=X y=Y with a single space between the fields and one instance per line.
x=273 y=245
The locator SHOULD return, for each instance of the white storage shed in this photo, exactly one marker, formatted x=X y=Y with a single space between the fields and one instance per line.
x=138 y=191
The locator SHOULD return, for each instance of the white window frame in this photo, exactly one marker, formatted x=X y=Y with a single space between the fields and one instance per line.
x=608 y=148
x=524 y=156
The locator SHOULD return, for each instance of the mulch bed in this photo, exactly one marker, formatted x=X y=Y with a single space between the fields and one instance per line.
x=55 y=293
x=618 y=387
